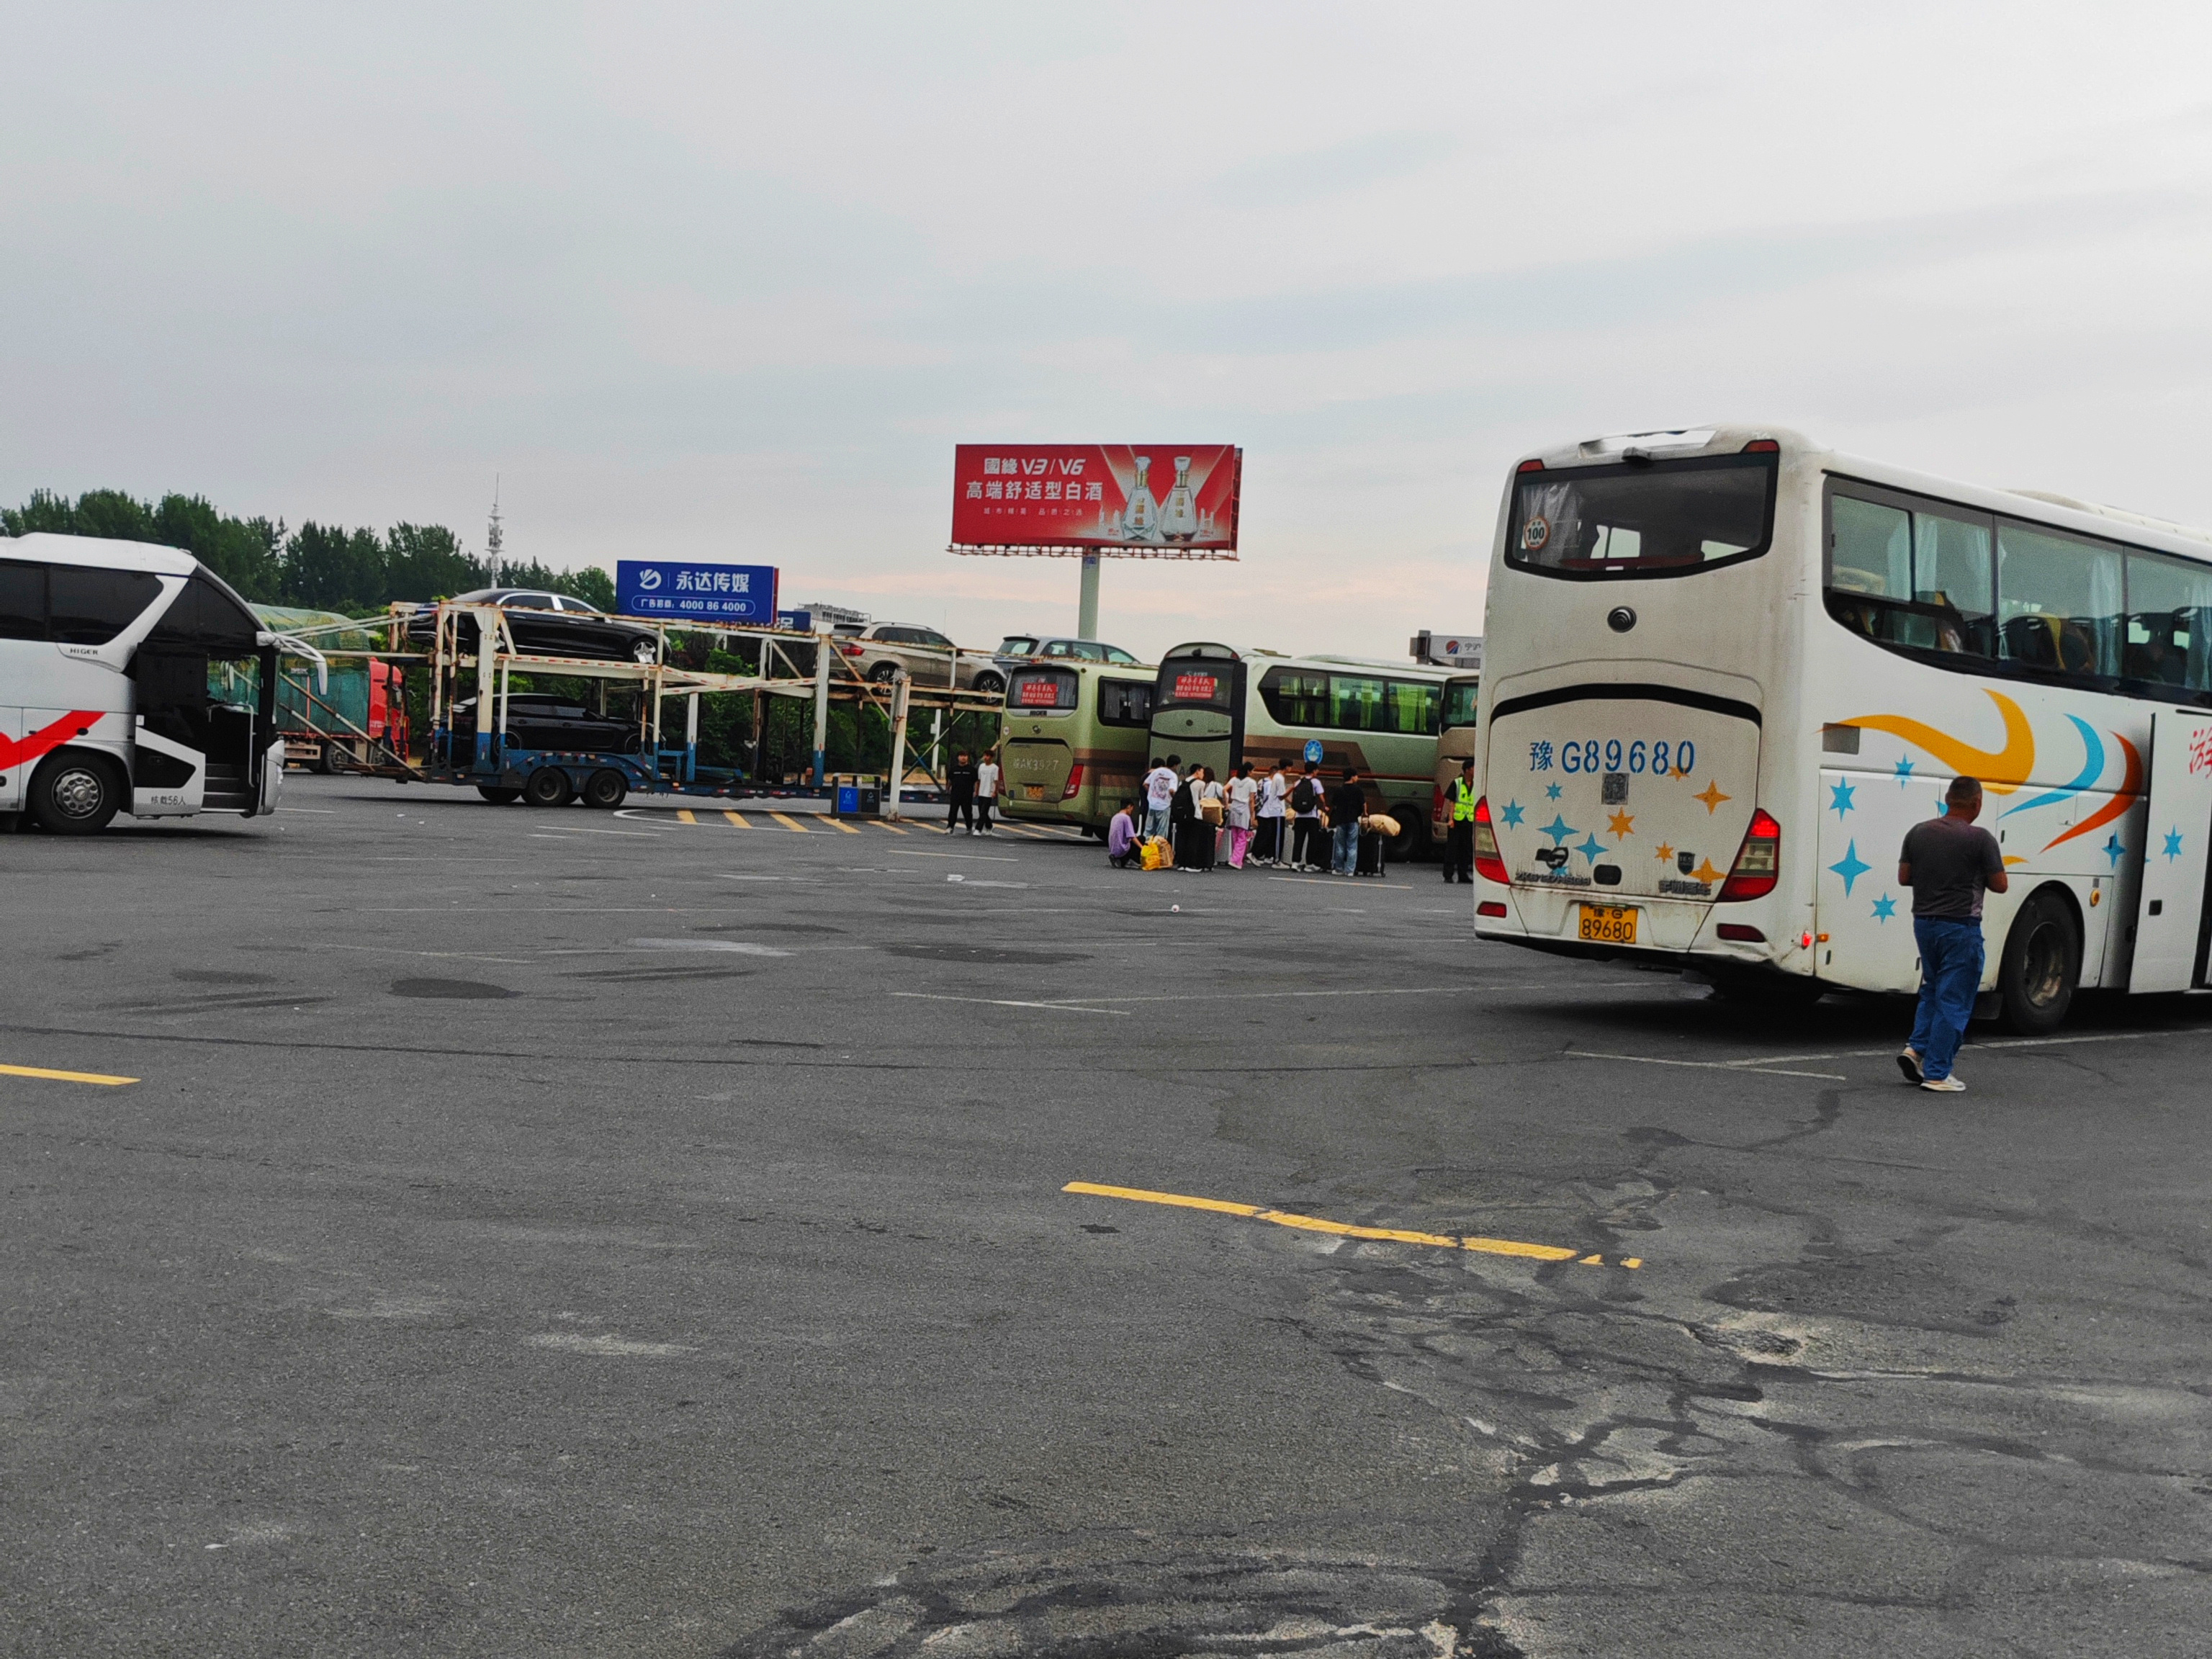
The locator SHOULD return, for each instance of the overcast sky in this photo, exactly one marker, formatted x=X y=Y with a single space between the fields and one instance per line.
x=732 y=281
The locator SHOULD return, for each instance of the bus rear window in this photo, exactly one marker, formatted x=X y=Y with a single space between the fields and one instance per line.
x=1644 y=519
x=1048 y=690
x=1125 y=702
x=1194 y=685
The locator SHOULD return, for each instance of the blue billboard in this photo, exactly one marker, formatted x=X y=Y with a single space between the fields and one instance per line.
x=686 y=591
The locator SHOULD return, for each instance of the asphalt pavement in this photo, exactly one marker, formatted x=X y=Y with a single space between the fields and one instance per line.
x=480 y=1230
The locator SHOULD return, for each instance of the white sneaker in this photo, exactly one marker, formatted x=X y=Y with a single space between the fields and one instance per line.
x=1944 y=1086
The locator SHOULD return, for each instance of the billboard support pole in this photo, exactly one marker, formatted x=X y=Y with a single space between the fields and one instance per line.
x=821 y=707
x=1086 y=608
x=890 y=802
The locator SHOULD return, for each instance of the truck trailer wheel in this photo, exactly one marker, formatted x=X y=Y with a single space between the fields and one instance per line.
x=605 y=790
x=2041 y=966
x=495 y=794
x=74 y=794
x=548 y=785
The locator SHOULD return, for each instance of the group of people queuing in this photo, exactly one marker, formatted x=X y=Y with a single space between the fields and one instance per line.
x=1282 y=821
x=971 y=789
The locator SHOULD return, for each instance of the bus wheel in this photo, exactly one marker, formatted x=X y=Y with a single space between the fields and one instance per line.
x=548 y=785
x=1412 y=837
x=2042 y=965
x=605 y=790
x=496 y=795
x=74 y=794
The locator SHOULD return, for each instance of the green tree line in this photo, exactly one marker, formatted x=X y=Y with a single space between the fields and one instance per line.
x=320 y=567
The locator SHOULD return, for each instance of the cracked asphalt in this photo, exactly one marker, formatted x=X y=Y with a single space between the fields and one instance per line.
x=573 y=1234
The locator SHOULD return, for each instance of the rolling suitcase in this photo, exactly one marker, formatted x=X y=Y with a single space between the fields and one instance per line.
x=1371 y=843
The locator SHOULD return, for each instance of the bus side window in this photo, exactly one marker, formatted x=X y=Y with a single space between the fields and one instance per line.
x=90 y=606
x=1951 y=575
x=2058 y=600
x=22 y=600
x=2169 y=607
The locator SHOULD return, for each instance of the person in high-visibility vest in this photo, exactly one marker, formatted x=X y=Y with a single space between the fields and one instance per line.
x=1459 y=850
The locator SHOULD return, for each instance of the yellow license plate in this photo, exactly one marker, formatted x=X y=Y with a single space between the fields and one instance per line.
x=1607 y=924
x=1034 y=791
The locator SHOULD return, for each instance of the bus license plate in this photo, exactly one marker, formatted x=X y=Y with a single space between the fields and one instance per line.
x=1034 y=791
x=1607 y=924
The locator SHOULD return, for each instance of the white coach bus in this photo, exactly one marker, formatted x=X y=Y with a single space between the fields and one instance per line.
x=1728 y=668
x=105 y=699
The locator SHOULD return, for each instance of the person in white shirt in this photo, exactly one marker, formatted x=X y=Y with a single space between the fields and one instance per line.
x=1268 y=849
x=1243 y=791
x=986 y=790
x=1159 y=795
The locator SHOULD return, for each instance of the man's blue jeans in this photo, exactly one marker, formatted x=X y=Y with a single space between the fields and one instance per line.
x=1345 y=860
x=1155 y=821
x=1950 y=974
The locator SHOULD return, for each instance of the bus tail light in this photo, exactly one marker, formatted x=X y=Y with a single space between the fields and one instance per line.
x=1531 y=465
x=1436 y=804
x=1762 y=446
x=1074 y=782
x=1487 y=863
x=1741 y=932
x=1491 y=907
x=1758 y=865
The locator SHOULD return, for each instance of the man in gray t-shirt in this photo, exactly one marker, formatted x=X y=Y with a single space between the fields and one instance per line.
x=1949 y=864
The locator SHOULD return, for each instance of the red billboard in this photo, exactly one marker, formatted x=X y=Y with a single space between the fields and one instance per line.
x=1159 y=499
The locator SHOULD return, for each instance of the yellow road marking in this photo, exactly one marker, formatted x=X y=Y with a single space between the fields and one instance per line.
x=1344 y=1229
x=684 y=814
x=737 y=819
x=880 y=824
x=788 y=822
x=64 y=1077
x=845 y=827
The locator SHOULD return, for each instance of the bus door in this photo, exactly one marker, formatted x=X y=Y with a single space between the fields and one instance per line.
x=169 y=758
x=2169 y=912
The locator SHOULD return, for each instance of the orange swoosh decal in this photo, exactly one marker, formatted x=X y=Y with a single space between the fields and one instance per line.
x=2130 y=790
x=2003 y=770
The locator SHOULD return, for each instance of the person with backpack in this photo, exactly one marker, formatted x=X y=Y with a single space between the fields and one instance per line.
x=1347 y=804
x=1268 y=848
x=1306 y=800
x=960 y=794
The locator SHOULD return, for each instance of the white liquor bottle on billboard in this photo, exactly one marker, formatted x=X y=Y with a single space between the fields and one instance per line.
x=1178 y=516
x=1140 y=520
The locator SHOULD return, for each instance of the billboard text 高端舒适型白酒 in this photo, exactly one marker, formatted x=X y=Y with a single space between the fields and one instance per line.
x=688 y=591
x=1167 y=497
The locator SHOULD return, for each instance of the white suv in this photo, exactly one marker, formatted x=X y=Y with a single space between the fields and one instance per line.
x=881 y=650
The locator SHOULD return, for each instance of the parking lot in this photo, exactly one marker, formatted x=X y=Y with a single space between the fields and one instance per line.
x=444 y=1228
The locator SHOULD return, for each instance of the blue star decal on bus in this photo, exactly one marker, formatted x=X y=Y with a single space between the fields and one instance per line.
x=1550 y=792
x=1559 y=828
x=1510 y=817
x=1884 y=907
x=1841 y=795
x=2173 y=843
x=2112 y=849
x=1904 y=772
x=1593 y=850
x=1851 y=867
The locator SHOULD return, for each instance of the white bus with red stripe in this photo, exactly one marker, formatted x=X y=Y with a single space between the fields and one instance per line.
x=106 y=700
x=1728 y=668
